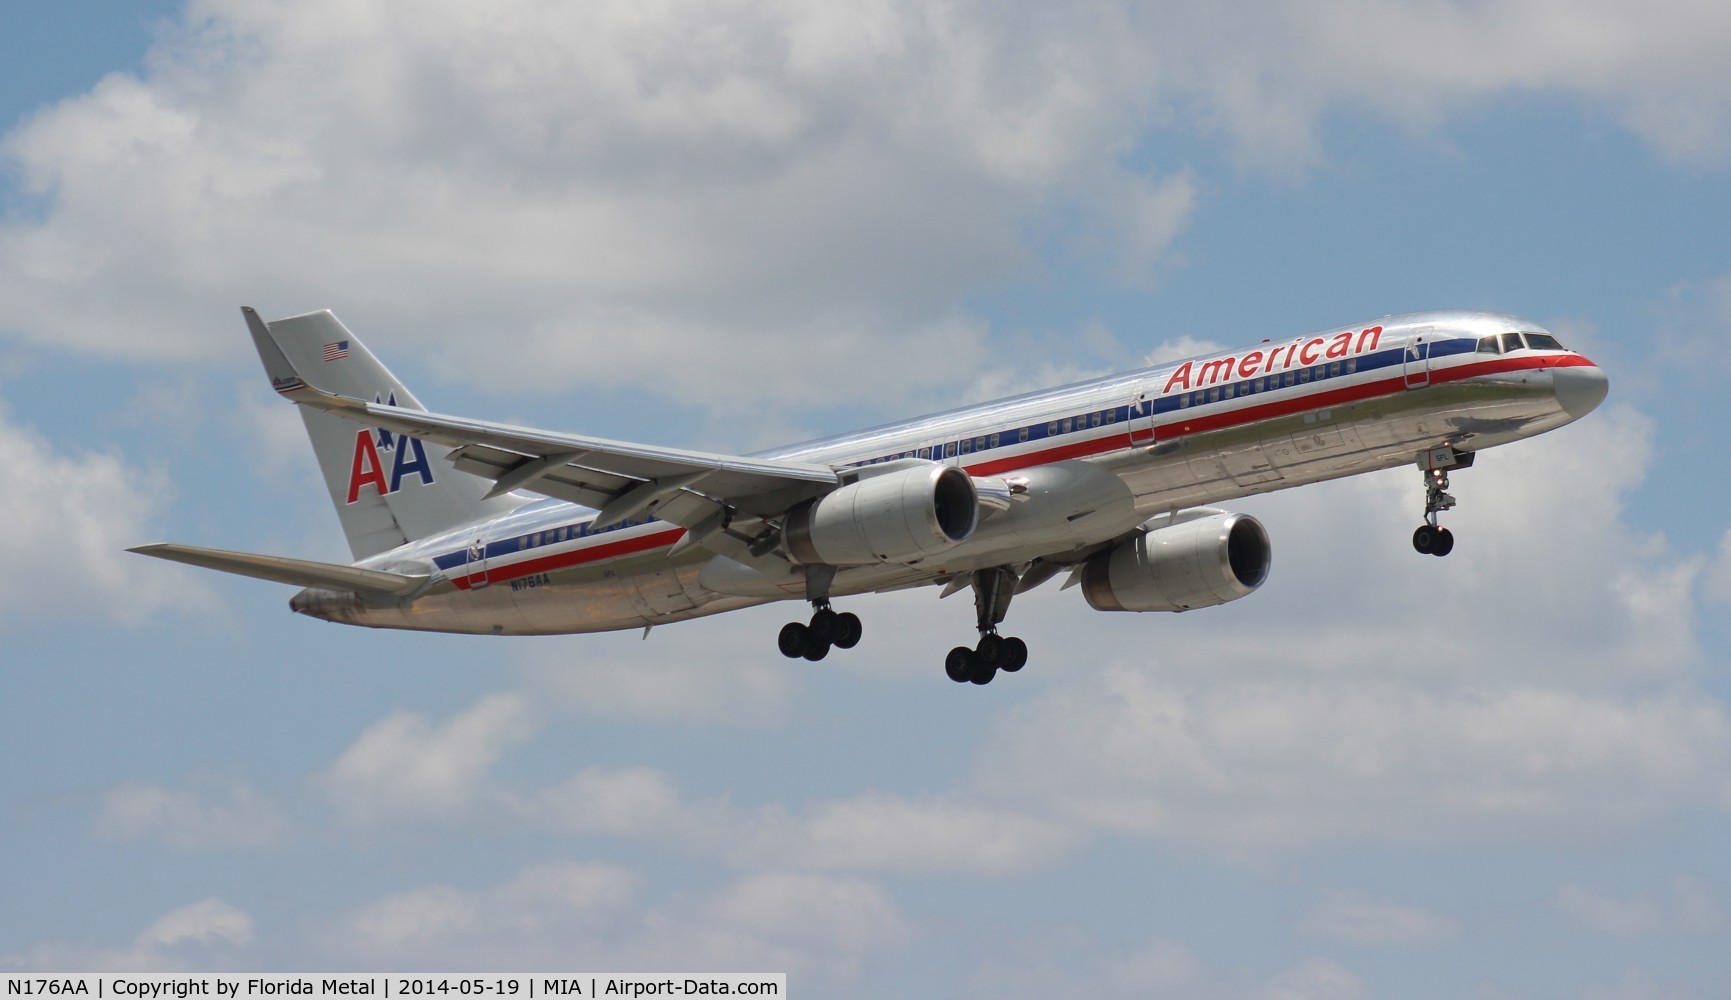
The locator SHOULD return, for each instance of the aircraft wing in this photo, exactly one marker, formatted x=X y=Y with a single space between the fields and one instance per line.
x=622 y=479
x=693 y=489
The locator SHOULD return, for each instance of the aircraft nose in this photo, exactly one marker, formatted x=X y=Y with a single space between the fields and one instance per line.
x=1580 y=389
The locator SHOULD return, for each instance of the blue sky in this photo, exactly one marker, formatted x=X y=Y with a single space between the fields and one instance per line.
x=731 y=225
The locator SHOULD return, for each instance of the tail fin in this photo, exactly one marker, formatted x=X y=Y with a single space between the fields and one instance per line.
x=387 y=488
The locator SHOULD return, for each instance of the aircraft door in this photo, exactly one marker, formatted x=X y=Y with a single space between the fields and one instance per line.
x=1141 y=422
x=475 y=568
x=1417 y=361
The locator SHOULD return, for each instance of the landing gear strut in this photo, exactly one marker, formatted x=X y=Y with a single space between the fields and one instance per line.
x=993 y=589
x=1431 y=538
x=826 y=629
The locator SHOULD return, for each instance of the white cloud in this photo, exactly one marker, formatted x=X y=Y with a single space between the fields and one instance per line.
x=207 y=922
x=1159 y=968
x=404 y=767
x=208 y=935
x=869 y=832
x=1716 y=580
x=70 y=517
x=707 y=673
x=421 y=917
x=1315 y=979
x=222 y=814
x=817 y=912
x=877 y=831
x=1617 y=917
x=540 y=903
x=1278 y=765
x=1355 y=918
x=1689 y=908
x=585 y=915
x=719 y=181
x=1268 y=79
x=1636 y=984
x=709 y=182
x=1695 y=908
x=873 y=831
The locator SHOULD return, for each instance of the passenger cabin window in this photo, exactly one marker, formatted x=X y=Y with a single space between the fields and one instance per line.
x=1488 y=345
x=1511 y=342
x=1544 y=342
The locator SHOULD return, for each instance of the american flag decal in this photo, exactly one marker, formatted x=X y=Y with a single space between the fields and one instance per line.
x=336 y=350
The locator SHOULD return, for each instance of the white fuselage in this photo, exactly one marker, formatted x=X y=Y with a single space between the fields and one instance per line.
x=1089 y=461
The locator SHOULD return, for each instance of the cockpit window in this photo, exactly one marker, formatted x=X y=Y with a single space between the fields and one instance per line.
x=1543 y=342
x=1511 y=342
x=1488 y=345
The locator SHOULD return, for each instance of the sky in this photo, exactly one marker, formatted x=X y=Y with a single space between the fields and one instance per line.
x=728 y=225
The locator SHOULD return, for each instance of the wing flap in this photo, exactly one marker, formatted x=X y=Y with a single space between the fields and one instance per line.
x=282 y=569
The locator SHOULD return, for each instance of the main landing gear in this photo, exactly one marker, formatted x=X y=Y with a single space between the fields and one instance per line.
x=827 y=629
x=993 y=589
x=1431 y=538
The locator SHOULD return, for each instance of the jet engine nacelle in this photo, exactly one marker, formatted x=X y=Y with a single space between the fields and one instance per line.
x=1191 y=559
x=899 y=516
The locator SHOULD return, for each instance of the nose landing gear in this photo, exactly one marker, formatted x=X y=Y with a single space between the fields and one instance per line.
x=1431 y=538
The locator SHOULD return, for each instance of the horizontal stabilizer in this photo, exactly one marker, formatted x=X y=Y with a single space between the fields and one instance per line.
x=301 y=572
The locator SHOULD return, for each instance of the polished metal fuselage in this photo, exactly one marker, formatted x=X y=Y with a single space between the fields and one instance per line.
x=1096 y=459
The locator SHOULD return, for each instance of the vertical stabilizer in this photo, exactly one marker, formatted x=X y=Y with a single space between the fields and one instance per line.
x=388 y=488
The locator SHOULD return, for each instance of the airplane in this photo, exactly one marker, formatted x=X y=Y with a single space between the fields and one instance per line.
x=461 y=525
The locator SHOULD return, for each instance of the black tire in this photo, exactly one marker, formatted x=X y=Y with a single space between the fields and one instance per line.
x=1424 y=538
x=991 y=650
x=815 y=649
x=959 y=665
x=1444 y=542
x=823 y=624
x=1015 y=655
x=983 y=672
x=848 y=630
x=792 y=640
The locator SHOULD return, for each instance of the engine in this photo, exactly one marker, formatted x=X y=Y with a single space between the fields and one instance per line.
x=1191 y=559
x=899 y=516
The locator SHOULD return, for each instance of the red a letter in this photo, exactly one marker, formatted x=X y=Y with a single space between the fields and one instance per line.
x=366 y=468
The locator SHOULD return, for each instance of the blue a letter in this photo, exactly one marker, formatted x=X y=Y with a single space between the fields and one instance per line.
x=405 y=465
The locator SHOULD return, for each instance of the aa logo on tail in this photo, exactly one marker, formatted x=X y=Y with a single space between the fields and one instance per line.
x=408 y=457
